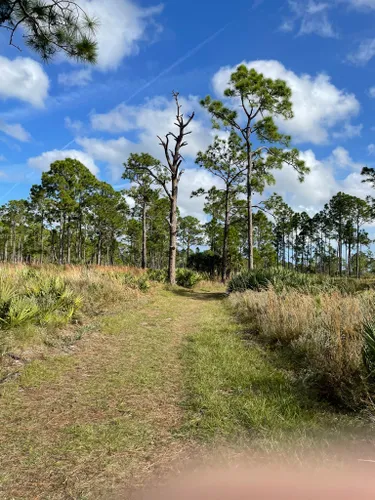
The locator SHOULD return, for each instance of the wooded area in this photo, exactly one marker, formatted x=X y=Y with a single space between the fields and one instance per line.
x=74 y=218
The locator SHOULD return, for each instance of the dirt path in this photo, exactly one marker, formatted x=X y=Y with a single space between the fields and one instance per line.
x=103 y=417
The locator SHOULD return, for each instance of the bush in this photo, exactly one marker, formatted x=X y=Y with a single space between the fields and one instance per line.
x=187 y=278
x=143 y=284
x=36 y=299
x=159 y=275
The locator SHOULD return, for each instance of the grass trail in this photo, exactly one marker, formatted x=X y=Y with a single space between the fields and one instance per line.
x=76 y=425
x=167 y=372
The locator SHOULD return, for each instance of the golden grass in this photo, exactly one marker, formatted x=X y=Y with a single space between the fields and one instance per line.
x=326 y=330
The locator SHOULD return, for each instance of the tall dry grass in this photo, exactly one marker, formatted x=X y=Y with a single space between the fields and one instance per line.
x=37 y=301
x=324 y=331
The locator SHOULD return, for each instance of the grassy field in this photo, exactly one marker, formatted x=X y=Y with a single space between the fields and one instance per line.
x=150 y=382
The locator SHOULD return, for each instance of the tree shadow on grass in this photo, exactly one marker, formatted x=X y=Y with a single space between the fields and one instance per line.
x=201 y=295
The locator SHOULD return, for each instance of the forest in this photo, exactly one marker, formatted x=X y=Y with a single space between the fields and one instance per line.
x=73 y=218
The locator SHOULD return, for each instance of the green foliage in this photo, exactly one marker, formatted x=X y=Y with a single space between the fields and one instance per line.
x=281 y=279
x=38 y=299
x=159 y=275
x=143 y=283
x=187 y=278
x=51 y=26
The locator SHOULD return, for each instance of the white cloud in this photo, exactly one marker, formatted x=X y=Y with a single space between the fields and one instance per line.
x=321 y=184
x=156 y=117
x=370 y=4
x=122 y=25
x=43 y=161
x=348 y=131
x=318 y=105
x=75 y=126
x=113 y=152
x=364 y=53
x=371 y=92
x=191 y=180
x=24 y=79
x=311 y=17
x=340 y=158
x=371 y=149
x=78 y=78
x=15 y=130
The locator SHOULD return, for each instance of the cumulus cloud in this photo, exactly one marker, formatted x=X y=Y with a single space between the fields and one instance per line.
x=122 y=25
x=191 y=180
x=74 y=126
x=79 y=78
x=43 y=161
x=322 y=183
x=371 y=92
x=341 y=159
x=156 y=117
x=364 y=53
x=348 y=131
x=309 y=17
x=318 y=105
x=15 y=130
x=24 y=79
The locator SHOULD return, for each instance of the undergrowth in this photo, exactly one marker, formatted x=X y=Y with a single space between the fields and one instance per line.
x=35 y=301
x=324 y=334
x=287 y=279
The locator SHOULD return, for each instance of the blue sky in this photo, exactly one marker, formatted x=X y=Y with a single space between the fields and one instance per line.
x=324 y=50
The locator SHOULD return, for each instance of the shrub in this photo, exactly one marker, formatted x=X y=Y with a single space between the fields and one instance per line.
x=159 y=275
x=143 y=283
x=187 y=278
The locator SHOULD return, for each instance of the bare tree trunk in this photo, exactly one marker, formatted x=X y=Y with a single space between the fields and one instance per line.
x=144 y=236
x=61 y=242
x=249 y=207
x=69 y=242
x=13 y=242
x=41 y=239
x=99 y=250
x=6 y=251
x=349 y=258
x=188 y=251
x=173 y=233
x=357 y=256
x=225 y=240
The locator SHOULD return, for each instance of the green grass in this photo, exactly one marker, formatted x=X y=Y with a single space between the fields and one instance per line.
x=103 y=417
x=160 y=375
x=237 y=391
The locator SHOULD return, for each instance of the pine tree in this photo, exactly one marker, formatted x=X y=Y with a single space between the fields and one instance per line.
x=51 y=26
x=260 y=100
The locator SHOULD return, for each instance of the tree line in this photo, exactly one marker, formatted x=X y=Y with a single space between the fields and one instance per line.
x=72 y=217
